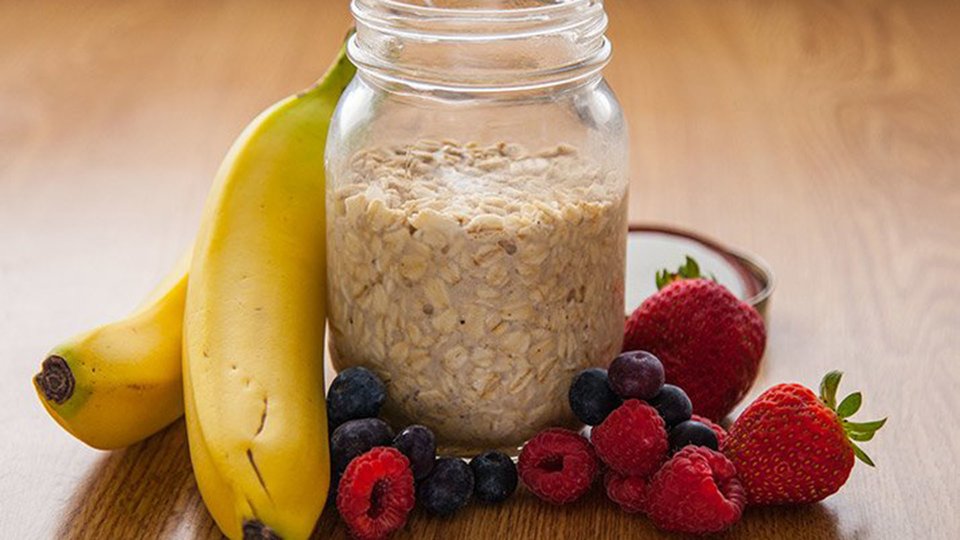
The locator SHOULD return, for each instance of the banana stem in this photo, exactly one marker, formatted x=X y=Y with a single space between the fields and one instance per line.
x=55 y=380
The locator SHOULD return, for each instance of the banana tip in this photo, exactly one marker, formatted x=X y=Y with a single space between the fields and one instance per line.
x=55 y=379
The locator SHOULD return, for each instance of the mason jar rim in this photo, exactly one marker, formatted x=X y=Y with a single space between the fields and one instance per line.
x=403 y=7
x=388 y=30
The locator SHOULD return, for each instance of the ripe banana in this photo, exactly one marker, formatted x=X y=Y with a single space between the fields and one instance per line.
x=254 y=323
x=120 y=383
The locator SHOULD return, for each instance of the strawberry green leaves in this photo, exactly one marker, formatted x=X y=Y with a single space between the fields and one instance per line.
x=862 y=432
x=688 y=270
x=850 y=405
x=856 y=431
x=866 y=427
x=861 y=455
x=828 y=388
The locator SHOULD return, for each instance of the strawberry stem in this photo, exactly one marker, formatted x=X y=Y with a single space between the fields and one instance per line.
x=688 y=270
x=855 y=431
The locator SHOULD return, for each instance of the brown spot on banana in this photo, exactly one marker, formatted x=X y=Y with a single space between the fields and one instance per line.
x=255 y=530
x=55 y=379
x=263 y=417
x=256 y=471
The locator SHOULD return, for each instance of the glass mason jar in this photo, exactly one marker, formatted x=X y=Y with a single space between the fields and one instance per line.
x=476 y=212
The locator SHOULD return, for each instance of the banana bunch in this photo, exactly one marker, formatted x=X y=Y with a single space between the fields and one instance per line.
x=237 y=342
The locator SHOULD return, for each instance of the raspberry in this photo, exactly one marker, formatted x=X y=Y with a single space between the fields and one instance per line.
x=697 y=491
x=717 y=429
x=376 y=493
x=632 y=440
x=558 y=465
x=630 y=492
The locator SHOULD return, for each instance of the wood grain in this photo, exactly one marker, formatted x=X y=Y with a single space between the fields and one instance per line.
x=821 y=134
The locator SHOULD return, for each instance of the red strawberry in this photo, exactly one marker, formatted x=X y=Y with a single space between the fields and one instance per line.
x=709 y=341
x=791 y=447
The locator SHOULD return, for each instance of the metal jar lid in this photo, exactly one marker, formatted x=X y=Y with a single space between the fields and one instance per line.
x=653 y=247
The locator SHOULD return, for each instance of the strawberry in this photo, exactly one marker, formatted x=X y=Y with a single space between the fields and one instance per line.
x=709 y=341
x=790 y=447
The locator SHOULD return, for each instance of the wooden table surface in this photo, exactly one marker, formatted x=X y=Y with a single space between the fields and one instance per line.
x=822 y=134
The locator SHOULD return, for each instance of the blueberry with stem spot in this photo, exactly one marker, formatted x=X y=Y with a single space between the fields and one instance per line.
x=355 y=393
x=673 y=405
x=495 y=477
x=591 y=398
x=636 y=375
x=693 y=433
x=355 y=437
x=420 y=446
x=448 y=488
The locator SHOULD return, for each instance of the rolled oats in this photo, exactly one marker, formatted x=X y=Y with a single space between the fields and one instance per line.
x=476 y=281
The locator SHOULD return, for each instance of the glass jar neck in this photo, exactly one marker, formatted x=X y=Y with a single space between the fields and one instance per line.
x=479 y=46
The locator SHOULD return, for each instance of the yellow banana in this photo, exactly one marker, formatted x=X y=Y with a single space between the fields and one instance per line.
x=254 y=322
x=120 y=383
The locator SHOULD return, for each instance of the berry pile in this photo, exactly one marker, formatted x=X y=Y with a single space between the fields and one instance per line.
x=659 y=459
x=659 y=452
x=379 y=476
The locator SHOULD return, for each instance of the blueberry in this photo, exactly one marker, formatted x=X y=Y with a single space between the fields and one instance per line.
x=692 y=432
x=448 y=487
x=495 y=476
x=355 y=393
x=591 y=398
x=420 y=446
x=673 y=405
x=636 y=374
x=355 y=437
